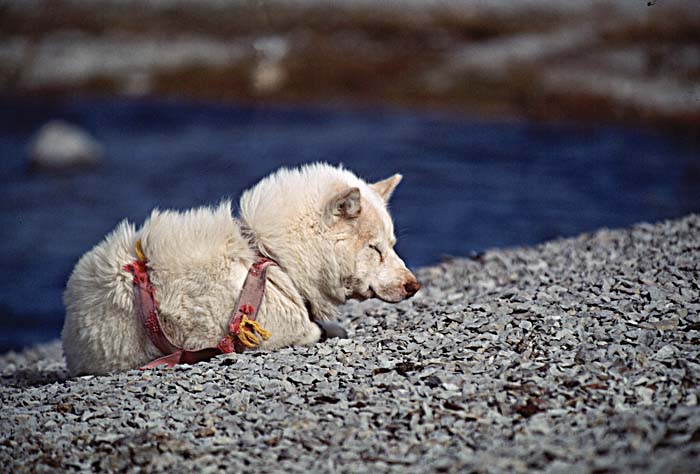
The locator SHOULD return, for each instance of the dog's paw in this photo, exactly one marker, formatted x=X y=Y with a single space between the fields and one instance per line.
x=331 y=329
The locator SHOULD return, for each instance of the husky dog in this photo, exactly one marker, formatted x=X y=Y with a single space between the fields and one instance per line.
x=328 y=230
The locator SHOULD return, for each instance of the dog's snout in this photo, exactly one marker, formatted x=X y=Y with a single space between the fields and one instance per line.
x=411 y=287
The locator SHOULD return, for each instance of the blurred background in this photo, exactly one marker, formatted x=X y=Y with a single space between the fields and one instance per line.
x=513 y=122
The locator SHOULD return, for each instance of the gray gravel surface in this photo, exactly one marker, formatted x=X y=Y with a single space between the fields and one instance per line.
x=578 y=355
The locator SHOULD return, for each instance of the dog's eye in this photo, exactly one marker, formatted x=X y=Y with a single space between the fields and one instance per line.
x=378 y=250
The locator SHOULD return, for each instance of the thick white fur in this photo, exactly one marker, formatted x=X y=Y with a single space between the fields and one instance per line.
x=199 y=259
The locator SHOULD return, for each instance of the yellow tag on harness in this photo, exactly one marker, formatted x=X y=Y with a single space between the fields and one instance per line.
x=247 y=333
x=139 y=251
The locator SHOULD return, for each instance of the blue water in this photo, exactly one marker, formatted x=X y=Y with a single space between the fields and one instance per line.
x=468 y=185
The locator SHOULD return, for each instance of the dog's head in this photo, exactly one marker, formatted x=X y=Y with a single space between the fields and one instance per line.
x=359 y=223
x=332 y=234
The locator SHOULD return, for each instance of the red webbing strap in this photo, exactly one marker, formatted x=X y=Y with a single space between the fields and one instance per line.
x=147 y=306
x=248 y=305
x=242 y=325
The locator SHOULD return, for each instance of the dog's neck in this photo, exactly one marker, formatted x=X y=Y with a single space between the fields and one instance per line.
x=317 y=304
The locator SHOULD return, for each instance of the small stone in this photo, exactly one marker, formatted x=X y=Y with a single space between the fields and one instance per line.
x=665 y=353
x=645 y=394
x=526 y=325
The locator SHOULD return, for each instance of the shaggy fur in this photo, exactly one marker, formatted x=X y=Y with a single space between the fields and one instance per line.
x=329 y=231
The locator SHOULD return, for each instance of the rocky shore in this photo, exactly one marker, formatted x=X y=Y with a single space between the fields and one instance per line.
x=578 y=355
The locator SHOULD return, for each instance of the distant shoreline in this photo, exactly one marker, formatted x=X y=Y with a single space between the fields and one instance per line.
x=616 y=61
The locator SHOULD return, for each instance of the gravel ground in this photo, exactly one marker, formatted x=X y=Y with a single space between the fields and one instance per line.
x=578 y=355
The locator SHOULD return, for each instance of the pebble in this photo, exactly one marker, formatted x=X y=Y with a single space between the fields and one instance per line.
x=578 y=355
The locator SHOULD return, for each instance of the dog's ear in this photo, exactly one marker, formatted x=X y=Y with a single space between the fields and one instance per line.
x=344 y=205
x=386 y=187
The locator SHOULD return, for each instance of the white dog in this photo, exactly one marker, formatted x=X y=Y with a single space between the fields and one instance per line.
x=329 y=232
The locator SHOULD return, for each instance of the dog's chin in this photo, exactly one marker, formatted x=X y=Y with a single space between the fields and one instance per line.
x=363 y=295
x=369 y=293
x=389 y=299
x=390 y=296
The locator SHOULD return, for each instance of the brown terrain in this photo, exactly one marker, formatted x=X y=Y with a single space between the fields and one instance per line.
x=613 y=61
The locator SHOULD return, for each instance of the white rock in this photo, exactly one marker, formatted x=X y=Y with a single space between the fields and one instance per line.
x=59 y=144
x=645 y=395
x=665 y=353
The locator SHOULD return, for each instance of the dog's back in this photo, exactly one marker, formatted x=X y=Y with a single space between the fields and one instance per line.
x=197 y=262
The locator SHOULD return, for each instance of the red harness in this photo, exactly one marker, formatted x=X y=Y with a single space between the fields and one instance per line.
x=244 y=331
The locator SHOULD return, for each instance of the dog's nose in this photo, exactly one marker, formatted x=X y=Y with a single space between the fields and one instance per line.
x=411 y=287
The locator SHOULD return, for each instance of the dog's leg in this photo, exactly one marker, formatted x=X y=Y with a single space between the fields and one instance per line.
x=288 y=327
x=286 y=316
x=331 y=329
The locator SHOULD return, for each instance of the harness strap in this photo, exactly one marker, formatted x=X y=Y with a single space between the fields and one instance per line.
x=244 y=331
x=243 y=328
